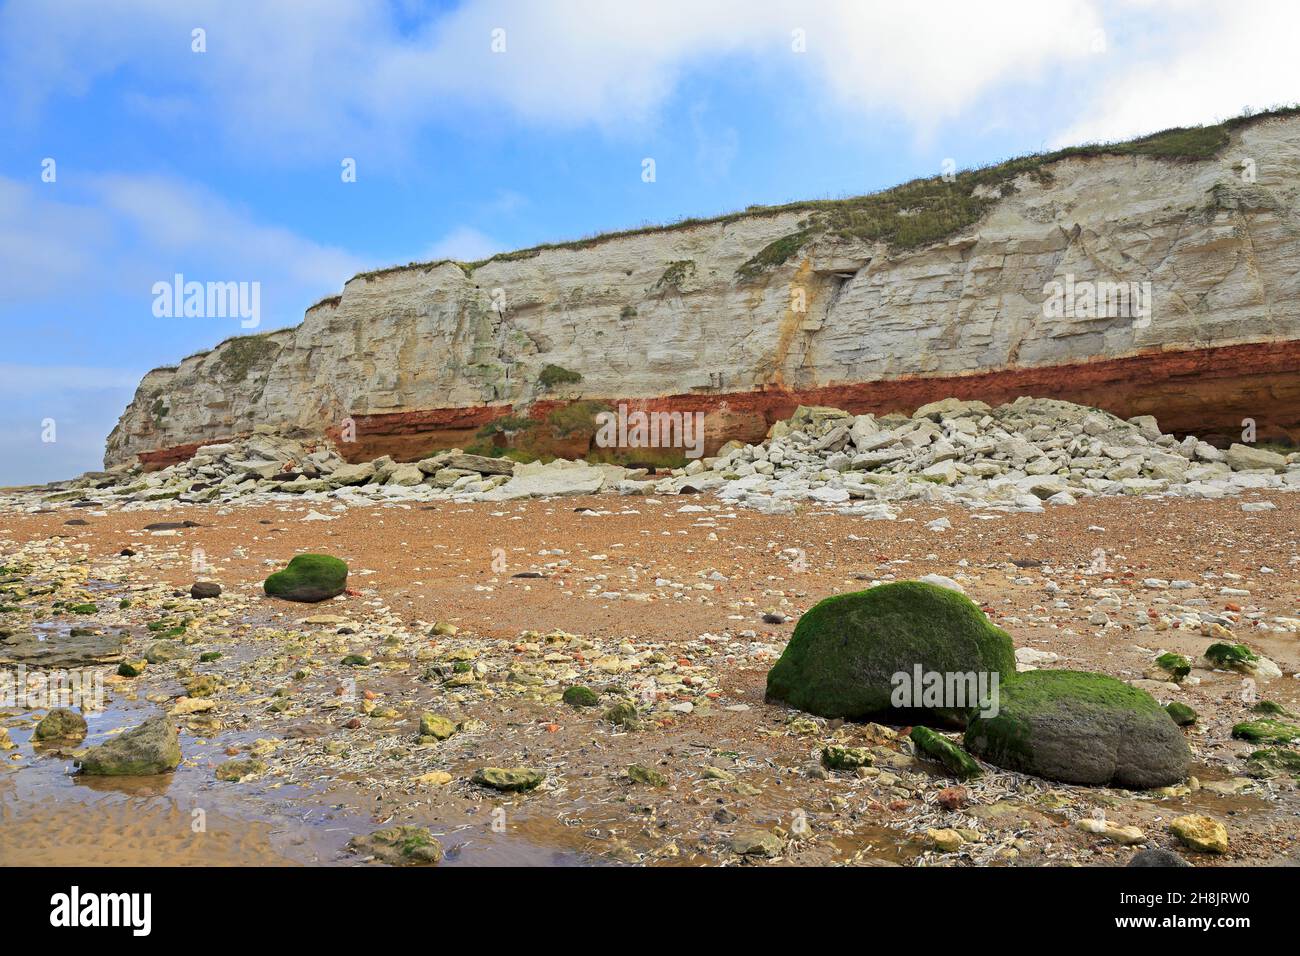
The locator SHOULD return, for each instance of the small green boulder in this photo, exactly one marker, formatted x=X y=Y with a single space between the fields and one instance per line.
x=1175 y=665
x=1182 y=715
x=624 y=714
x=61 y=724
x=308 y=578
x=233 y=771
x=646 y=775
x=957 y=761
x=510 y=780
x=434 y=728
x=846 y=758
x=149 y=748
x=399 y=846
x=581 y=697
x=1265 y=764
x=1236 y=657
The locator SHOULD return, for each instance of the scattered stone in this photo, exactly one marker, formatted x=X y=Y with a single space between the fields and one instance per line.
x=1125 y=836
x=435 y=728
x=1201 y=833
x=234 y=771
x=638 y=773
x=836 y=757
x=762 y=843
x=205 y=590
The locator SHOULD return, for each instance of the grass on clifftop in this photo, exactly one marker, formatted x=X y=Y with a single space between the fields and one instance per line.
x=910 y=215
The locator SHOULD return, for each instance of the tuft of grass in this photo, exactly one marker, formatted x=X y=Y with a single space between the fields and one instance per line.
x=239 y=355
x=919 y=212
x=553 y=375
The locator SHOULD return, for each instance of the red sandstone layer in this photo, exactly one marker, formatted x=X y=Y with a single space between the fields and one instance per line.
x=1207 y=392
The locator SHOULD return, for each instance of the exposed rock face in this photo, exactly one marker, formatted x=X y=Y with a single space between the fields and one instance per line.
x=682 y=318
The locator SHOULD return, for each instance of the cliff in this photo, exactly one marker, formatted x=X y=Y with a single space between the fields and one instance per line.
x=884 y=302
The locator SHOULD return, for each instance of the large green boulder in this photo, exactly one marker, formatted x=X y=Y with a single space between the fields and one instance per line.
x=309 y=578
x=1083 y=728
x=150 y=748
x=846 y=651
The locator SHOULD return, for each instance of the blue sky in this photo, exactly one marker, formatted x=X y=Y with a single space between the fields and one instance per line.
x=224 y=165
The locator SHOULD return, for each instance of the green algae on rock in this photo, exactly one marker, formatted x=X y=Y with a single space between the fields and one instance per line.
x=846 y=651
x=435 y=728
x=846 y=758
x=639 y=773
x=1079 y=727
x=1266 y=732
x=61 y=724
x=511 y=780
x=578 y=696
x=149 y=748
x=1231 y=656
x=1273 y=762
x=957 y=761
x=399 y=846
x=1176 y=665
x=308 y=578
x=1181 y=714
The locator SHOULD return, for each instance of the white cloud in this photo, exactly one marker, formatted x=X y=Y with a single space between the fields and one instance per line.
x=278 y=80
x=463 y=244
x=1210 y=59
x=120 y=234
x=18 y=379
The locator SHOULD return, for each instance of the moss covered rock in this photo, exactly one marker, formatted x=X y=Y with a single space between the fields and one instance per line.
x=1085 y=728
x=579 y=696
x=1175 y=665
x=1265 y=764
x=1181 y=714
x=510 y=780
x=1236 y=657
x=1266 y=732
x=846 y=758
x=639 y=773
x=61 y=724
x=399 y=846
x=150 y=748
x=308 y=578
x=233 y=771
x=956 y=760
x=844 y=654
x=435 y=727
